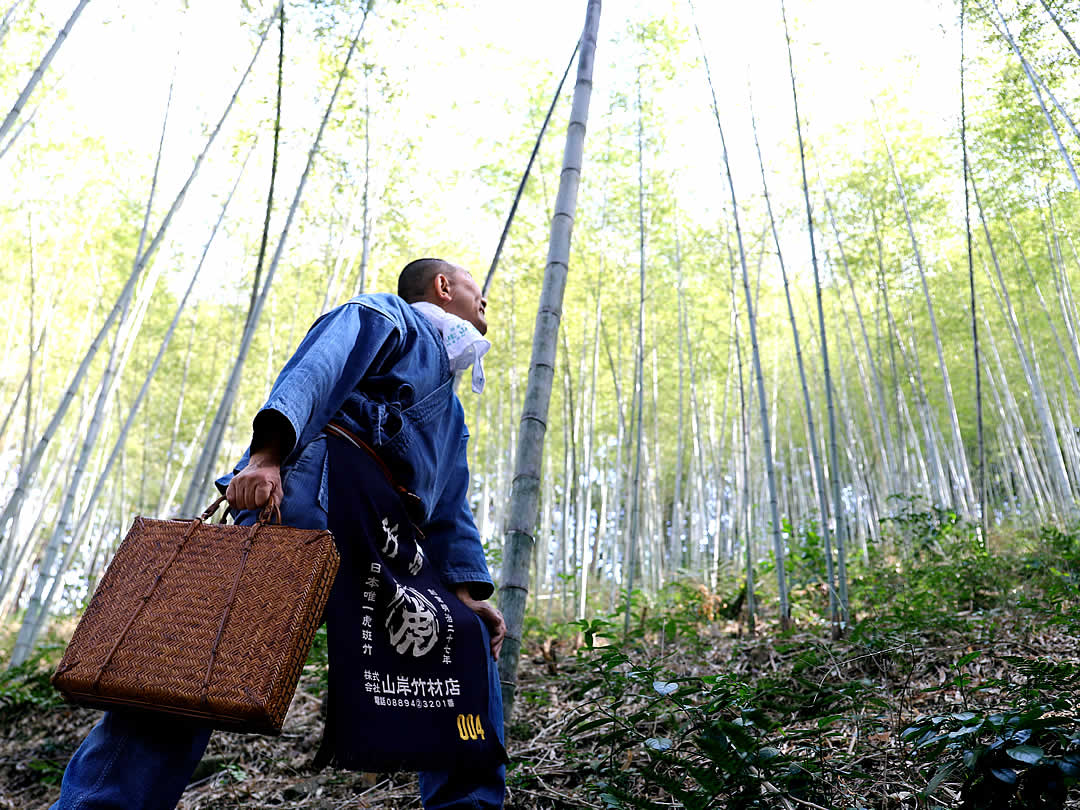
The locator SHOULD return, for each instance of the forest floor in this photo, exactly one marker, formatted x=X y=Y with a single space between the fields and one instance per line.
x=943 y=694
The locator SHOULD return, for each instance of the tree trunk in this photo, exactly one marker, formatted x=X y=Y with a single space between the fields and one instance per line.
x=834 y=464
x=819 y=475
x=9 y=18
x=1054 y=460
x=204 y=470
x=589 y=555
x=639 y=370
x=1030 y=73
x=160 y=509
x=26 y=475
x=1060 y=27
x=524 y=495
x=49 y=572
x=528 y=169
x=967 y=492
x=971 y=287
x=675 y=538
x=88 y=508
x=39 y=71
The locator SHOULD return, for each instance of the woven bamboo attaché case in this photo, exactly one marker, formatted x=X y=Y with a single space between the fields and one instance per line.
x=202 y=620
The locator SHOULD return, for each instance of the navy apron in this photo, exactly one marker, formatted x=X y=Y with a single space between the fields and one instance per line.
x=408 y=661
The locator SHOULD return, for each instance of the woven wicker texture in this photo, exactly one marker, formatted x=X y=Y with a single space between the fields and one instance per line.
x=202 y=620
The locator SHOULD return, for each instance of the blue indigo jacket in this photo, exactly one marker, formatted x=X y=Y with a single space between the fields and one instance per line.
x=379 y=367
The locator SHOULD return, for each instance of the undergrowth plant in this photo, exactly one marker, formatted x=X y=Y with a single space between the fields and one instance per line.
x=1055 y=567
x=1022 y=759
x=648 y=739
x=25 y=688
x=939 y=567
x=1025 y=756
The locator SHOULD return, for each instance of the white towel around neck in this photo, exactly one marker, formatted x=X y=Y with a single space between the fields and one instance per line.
x=465 y=346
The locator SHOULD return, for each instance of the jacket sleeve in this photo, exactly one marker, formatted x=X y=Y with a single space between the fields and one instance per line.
x=452 y=540
x=335 y=355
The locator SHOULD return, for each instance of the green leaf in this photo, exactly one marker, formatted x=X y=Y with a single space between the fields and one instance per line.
x=1006 y=775
x=940 y=777
x=589 y=725
x=828 y=721
x=1030 y=754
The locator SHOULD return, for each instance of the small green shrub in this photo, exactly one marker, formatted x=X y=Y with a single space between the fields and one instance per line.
x=1023 y=759
x=924 y=528
x=318 y=657
x=1026 y=757
x=648 y=739
x=944 y=569
x=26 y=688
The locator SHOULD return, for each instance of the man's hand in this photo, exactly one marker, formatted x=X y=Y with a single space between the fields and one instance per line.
x=258 y=484
x=489 y=614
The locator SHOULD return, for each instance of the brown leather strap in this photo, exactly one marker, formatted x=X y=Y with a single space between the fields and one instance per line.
x=347 y=434
x=209 y=513
x=414 y=507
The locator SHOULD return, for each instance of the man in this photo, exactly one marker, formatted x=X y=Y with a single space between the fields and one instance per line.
x=377 y=371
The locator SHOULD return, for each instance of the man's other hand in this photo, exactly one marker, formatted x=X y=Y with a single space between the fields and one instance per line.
x=490 y=615
x=258 y=484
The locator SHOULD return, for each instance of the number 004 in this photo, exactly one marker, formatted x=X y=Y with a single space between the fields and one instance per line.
x=469 y=727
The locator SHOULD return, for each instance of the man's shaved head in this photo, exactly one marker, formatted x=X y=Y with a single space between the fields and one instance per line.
x=445 y=285
x=417 y=275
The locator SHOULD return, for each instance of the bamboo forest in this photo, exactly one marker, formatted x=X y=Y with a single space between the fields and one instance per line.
x=777 y=462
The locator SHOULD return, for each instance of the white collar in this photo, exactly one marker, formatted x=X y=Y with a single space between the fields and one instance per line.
x=465 y=346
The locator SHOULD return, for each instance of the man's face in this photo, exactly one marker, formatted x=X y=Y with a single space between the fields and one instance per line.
x=467 y=301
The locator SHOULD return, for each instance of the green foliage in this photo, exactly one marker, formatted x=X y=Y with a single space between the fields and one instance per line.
x=648 y=739
x=929 y=529
x=943 y=568
x=682 y=608
x=318 y=657
x=1063 y=545
x=805 y=552
x=26 y=688
x=1023 y=759
x=48 y=771
x=1024 y=756
x=1055 y=569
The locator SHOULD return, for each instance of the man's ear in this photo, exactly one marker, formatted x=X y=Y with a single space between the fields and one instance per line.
x=442 y=287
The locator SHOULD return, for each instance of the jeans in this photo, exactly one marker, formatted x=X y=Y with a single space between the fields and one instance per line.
x=142 y=761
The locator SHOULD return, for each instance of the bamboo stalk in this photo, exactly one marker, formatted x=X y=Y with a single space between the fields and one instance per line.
x=639 y=369
x=39 y=71
x=524 y=497
x=1029 y=72
x=834 y=468
x=819 y=476
x=1056 y=464
x=88 y=507
x=9 y=18
x=983 y=518
x=528 y=169
x=204 y=468
x=26 y=475
x=966 y=492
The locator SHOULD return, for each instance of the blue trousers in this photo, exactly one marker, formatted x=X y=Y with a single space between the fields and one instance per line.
x=142 y=761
